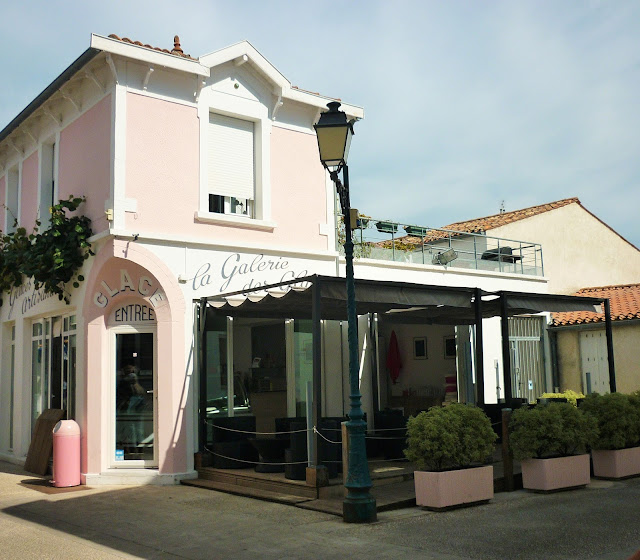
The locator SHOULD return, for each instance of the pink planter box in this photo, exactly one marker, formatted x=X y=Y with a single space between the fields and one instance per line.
x=557 y=473
x=439 y=490
x=616 y=463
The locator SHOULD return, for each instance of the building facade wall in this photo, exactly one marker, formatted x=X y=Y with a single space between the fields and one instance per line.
x=84 y=161
x=578 y=250
x=570 y=376
x=135 y=149
x=625 y=349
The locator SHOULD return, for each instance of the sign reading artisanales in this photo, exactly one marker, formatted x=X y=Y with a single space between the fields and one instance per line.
x=244 y=272
x=129 y=286
x=32 y=298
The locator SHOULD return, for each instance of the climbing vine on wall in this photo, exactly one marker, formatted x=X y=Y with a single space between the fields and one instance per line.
x=53 y=257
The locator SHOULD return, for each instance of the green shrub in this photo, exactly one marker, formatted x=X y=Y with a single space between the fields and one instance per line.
x=570 y=395
x=450 y=437
x=618 y=418
x=553 y=430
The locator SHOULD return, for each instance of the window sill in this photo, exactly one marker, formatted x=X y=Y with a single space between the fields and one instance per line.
x=234 y=221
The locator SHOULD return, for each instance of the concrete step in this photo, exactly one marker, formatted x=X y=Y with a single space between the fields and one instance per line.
x=249 y=479
x=249 y=492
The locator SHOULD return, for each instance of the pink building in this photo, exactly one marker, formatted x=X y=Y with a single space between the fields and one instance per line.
x=201 y=177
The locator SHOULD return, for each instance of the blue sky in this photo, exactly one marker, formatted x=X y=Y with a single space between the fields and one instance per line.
x=467 y=103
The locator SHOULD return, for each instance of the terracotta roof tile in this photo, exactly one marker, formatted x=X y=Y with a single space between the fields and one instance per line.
x=624 y=301
x=176 y=51
x=480 y=225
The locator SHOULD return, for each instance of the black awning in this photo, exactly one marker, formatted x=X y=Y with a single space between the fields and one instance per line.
x=398 y=301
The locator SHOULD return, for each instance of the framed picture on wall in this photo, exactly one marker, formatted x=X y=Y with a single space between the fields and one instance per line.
x=420 y=348
x=450 y=347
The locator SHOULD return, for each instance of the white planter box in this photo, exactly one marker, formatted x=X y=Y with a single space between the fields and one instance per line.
x=557 y=473
x=439 y=490
x=616 y=463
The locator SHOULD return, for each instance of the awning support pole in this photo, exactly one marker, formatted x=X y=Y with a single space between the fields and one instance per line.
x=506 y=353
x=317 y=366
x=479 y=349
x=609 y=334
x=202 y=352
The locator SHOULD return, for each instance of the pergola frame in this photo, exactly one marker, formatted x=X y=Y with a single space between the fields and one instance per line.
x=319 y=297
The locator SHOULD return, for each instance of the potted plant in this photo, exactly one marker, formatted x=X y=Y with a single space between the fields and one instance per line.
x=450 y=446
x=616 y=451
x=566 y=396
x=551 y=441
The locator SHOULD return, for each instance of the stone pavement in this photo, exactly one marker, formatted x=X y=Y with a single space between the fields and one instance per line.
x=179 y=522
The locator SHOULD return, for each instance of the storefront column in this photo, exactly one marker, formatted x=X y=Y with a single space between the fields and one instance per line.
x=479 y=351
x=506 y=350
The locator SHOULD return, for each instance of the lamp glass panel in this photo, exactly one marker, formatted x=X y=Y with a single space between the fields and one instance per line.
x=332 y=142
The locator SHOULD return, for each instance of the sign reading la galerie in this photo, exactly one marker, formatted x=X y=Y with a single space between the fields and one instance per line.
x=131 y=286
x=244 y=272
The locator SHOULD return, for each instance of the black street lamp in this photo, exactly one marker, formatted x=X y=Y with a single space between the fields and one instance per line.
x=334 y=139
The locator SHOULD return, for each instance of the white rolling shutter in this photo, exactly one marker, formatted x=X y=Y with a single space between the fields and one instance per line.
x=231 y=157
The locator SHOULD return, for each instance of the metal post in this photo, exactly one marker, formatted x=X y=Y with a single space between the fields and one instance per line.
x=312 y=459
x=202 y=316
x=317 y=363
x=506 y=352
x=507 y=454
x=479 y=349
x=359 y=505
x=609 y=335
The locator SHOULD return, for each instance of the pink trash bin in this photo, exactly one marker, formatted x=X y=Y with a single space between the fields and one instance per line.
x=66 y=454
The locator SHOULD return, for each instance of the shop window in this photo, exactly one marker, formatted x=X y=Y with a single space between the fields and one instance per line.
x=53 y=366
x=7 y=387
x=12 y=382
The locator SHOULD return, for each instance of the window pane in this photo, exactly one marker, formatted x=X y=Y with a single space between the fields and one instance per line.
x=37 y=388
x=134 y=397
x=303 y=360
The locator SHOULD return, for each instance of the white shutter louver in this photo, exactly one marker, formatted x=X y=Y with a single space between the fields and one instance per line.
x=231 y=157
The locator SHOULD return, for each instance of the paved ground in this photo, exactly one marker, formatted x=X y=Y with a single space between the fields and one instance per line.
x=602 y=521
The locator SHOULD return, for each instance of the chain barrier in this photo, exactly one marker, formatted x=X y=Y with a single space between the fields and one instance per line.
x=375 y=430
x=251 y=462
x=315 y=431
x=217 y=426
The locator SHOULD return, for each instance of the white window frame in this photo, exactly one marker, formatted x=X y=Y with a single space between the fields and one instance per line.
x=9 y=218
x=43 y=205
x=245 y=109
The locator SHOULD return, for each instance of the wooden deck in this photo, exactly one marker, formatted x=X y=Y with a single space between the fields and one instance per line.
x=392 y=486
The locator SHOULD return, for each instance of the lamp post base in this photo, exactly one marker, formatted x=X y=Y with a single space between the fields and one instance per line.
x=359 y=508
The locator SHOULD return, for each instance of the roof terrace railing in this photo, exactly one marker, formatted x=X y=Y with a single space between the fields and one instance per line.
x=393 y=241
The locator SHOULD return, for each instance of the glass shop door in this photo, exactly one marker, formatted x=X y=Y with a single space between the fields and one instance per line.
x=135 y=400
